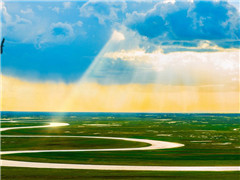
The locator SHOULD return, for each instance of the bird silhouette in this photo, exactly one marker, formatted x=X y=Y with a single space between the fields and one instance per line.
x=2 y=45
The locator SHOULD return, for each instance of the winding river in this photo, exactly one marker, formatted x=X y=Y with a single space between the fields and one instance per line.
x=153 y=144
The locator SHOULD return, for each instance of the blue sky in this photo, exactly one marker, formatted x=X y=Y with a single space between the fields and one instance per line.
x=60 y=41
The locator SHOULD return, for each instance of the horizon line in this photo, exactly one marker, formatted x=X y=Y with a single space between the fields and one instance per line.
x=125 y=112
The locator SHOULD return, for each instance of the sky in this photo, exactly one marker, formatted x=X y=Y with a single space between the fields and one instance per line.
x=120 y=56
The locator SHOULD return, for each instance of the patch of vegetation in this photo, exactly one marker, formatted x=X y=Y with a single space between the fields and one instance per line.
x=47 y=143
x=10 y=173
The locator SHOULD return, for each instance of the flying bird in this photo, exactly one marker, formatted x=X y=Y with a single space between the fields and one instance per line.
x=2 y=45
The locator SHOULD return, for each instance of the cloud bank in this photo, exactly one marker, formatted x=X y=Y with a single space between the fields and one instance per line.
x=217 y=21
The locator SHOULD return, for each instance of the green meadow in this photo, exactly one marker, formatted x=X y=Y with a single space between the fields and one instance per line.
x=209 y=139
x=50 y=174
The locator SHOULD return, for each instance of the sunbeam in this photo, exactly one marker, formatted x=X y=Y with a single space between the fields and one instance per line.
x=126 y=78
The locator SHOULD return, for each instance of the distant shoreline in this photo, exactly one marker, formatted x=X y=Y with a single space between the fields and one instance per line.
x=92 y=112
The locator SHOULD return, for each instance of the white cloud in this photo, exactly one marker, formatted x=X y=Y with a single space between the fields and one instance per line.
x=117 y=36
x=56 y=33
x=6 y=16
x=103 y=11
x=56 y=9
x=66 y=29
x=27 y=11
x=79 y=23
x=38 y=29
x=169 y=1
x=40 y=7
x=186 y=67
x=67 y=5
x=21 y=20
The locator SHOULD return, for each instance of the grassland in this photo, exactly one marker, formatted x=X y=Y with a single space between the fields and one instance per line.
x=9 y=173
x=210 y=139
